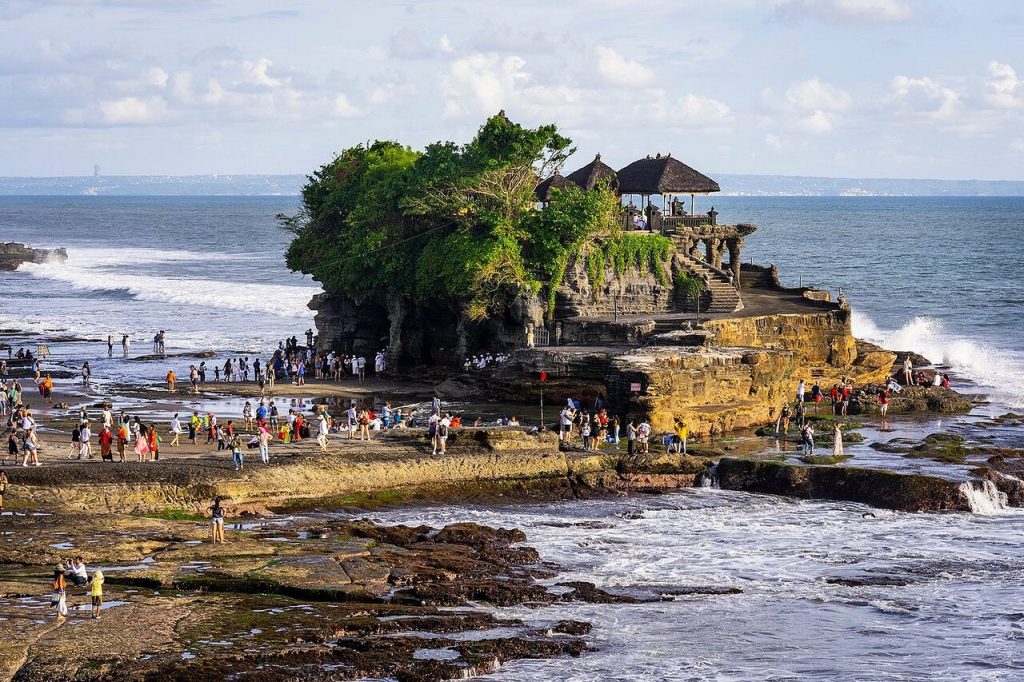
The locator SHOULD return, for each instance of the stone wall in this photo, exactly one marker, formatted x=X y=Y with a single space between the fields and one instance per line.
x=632 y=292
x=817 y=338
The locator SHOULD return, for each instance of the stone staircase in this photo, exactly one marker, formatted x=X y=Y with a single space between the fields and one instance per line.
x=724 y=298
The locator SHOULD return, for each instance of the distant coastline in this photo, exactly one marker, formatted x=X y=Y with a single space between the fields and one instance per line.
x=288 y=185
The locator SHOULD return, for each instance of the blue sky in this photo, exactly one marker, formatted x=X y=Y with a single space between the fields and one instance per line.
x=864 y=88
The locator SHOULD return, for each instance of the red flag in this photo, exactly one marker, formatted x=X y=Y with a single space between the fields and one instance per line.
x=543 y=376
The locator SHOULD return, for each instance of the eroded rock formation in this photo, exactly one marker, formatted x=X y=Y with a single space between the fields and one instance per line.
x=13 y=254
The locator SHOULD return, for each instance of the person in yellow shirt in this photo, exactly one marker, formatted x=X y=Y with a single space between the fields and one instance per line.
x=682 y=432
x=96 y=590
x=47 y=388
x=170 y=380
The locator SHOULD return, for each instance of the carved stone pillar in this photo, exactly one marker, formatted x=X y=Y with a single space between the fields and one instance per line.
x=735 y=246
x=710 y=247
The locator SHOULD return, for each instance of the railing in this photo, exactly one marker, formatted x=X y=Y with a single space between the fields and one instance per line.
x=666 y=224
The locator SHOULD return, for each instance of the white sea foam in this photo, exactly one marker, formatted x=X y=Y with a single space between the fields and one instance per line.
x=998 y=370
x=109 y=270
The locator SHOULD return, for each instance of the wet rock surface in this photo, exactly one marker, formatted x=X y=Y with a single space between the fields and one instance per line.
x=308 y=600
x=886 y=489
x=13 y=254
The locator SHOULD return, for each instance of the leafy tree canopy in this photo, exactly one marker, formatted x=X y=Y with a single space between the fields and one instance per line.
x=451 y=222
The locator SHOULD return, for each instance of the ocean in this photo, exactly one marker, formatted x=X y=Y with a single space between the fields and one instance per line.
x=829 y=592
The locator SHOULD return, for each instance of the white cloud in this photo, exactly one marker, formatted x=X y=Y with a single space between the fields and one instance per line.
x=845 y=11
x=133 y=111
x=489 y=81
x=875 y=10
x=617 y=70
x=773 y=141
x=816 y=95
x=258 y=72
x=345 y=109
x=157 y=76
x=1017 y=144
x=818 y=122
x=1005 y=89
x=697 y=111
x=445 y=45
x=925 y=96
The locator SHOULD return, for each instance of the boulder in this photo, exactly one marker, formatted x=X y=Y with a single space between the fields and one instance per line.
x=13 y=254
x=885 y=489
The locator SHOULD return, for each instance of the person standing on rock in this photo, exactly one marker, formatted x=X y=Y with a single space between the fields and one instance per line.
x=3 y=489
x=321 y=435
x=585 y=432
x=682 y=433
x=110 y=345
x=837 y=442
x=883 y=401
x=816 y=396
x=106 y=438
x=631 y=437
x=807 y=436
x=800 y=389
x=122 y=439
x=170 y=380
x=908 y=371
x=59 y=601
x=264 y=441
x=217 y=521
x=96 y=592
x=153 y=441
x=643 y=436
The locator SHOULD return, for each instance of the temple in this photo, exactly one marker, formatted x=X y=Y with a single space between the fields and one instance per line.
x=654 y=192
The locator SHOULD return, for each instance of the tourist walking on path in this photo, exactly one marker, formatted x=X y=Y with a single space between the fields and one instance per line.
x=85 y=436
x=30 y=448
x=807 y=436
x=153 y=441
x=217 y=521
x=837 y=443
x=106 y=439
x=122 y=439
x=96 y=592
x=141 y=446
x=176 y=430
x=322 y=429
x=264 y=440
x=236 y=452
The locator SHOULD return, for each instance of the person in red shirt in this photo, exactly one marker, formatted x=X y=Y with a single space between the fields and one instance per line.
x=834 y=394
x=106 y=438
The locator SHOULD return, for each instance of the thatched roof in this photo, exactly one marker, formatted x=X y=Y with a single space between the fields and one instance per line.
x=663 y=175
x=543 y=190
x=595 y=171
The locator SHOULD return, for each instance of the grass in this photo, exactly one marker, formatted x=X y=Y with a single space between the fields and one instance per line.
x=824 y=460
x=175 y=515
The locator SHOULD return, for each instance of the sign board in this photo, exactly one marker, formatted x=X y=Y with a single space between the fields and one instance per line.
x=634 y=388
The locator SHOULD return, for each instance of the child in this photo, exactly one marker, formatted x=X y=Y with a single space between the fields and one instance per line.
x=97 y=593
x=236 y=452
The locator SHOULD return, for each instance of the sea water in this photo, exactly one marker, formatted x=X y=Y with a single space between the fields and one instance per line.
x=938 y=595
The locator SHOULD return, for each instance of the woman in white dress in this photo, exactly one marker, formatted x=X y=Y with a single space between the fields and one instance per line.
x=837 y=444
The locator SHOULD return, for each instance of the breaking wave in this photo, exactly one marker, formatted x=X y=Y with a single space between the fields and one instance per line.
x=109 y=270
x=999 y=371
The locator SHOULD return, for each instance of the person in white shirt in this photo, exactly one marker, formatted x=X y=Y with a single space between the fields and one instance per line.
x=176 y=430
x=86 y=448
x=322 y=429
x=352 y=421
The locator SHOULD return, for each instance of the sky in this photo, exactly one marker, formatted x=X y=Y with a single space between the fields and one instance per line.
x=847 y=88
